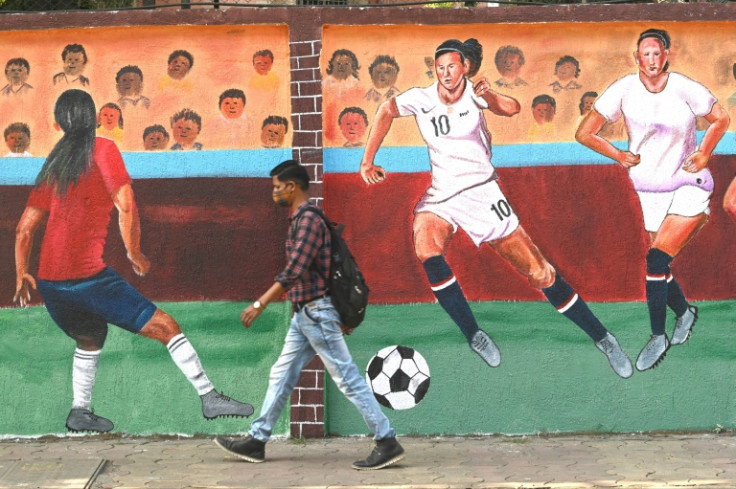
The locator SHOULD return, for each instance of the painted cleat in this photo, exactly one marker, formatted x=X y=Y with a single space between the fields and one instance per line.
x=684 y=325
x=653 y=353
x=483 y=345
x=387 y=451
x=617 y=358
x=215 y=405
x=81 y=419
x=247 y=448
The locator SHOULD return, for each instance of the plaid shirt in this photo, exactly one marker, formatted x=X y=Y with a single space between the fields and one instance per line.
x=307 y=257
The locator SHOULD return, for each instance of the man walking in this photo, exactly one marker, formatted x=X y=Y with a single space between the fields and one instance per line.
x=315 y=328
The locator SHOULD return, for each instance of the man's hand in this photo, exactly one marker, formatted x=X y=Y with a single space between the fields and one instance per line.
x=372 y=173
x=627 y=159
x=249 y=315
x=140 y=263
x=346 y=331
x=23 y=285
x=695 y=162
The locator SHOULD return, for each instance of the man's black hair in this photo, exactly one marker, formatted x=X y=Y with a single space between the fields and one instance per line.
x=291 y=171
x=19 y=62
x=155 y=128
x=659 y=34
x=232 y=93
x=276 y=120
x=128 y=69
x=544 y=99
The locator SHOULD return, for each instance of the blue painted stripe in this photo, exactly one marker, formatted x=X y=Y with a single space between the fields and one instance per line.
x=254 y=163
x=416 y=159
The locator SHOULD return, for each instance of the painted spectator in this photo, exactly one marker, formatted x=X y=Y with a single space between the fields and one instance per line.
x=74 y=57
x=509 y=60
x=232 y=128
x=384 y=71
x=264 y=79
x=110 y=122
x=273 y=131
x=155 y=138
x=543 y=111
x=129 y=84
x=567 y=70
x=179 y=65
x=17 y=71
x=18 y=138
x=185 y=128
x=353 y=122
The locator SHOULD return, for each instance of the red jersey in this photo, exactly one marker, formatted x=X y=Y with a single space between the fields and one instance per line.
x=76 y=231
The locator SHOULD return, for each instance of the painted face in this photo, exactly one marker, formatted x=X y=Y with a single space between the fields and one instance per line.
x=74 y=64
x=651 y=57
x=588 y=104
x=450 y=70
x=232 y=108
x=281 y=191
x=16 y=74
x=566 y=71
x=17 y=142
x=543 y=113
x=155 y=141
x=179 y=67
x=384 y=75
x=342 y=67
x=353 y=127
x=262 y=64
x=109 y=118
x=129 y=84
x=185 y=132
x=272 y=135
x=510 y=65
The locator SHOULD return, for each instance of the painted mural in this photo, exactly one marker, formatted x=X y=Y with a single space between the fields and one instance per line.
x=620 y=97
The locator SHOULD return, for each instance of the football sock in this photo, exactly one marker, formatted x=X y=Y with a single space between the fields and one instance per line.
x=450 y=295
x=675 y=298
x=658 y=263
x=568 y=303
x=84 y=371
x=184 y=356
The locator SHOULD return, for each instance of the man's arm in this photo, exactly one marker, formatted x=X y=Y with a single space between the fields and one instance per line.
x=130 y=228
x=587 y=135
x=250 y=313
x=385 y=116
x=719 y=120
x=25 y=231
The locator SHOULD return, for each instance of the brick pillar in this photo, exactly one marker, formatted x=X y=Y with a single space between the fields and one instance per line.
x=307 y=400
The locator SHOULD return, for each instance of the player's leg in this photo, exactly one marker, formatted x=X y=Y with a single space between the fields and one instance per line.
x=432 y=234
x=89 y=332
x=729 y=201
x=518 y=249
x=671 y=228
x=295 y=354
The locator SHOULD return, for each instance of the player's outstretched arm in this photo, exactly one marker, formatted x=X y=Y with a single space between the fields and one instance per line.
x=130 y=228
x=497 y=103
x=25 y=231
x=587 y=135
x=385 y=116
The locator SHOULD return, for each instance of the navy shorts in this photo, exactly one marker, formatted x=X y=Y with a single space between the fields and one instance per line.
x=85 y=307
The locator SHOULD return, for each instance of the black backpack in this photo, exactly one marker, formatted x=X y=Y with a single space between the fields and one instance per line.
x=348 y=290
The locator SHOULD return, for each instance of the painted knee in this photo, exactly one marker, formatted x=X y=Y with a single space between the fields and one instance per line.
x=658 y=263
x=542 y=277
x=161 y=327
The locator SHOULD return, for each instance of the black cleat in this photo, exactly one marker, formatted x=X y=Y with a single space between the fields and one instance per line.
x=81 y=419
x=247 y=448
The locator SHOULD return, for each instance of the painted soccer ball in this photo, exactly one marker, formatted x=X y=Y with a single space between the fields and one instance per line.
x=398 y=376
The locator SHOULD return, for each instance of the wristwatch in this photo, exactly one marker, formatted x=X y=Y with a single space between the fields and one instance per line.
x=257 y=305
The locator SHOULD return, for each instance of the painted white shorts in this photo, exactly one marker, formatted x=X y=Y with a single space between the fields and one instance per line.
x=482 y=212
x=687 y=201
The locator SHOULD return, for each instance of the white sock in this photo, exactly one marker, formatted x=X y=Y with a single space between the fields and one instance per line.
x=184 y=356
x=84 y=371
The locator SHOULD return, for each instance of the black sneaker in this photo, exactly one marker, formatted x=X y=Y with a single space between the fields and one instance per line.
x=81 y=419
x=215 y=405
x=247 y=448
x=387 y=452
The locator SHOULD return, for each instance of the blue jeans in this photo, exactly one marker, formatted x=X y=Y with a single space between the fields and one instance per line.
x=316 y=329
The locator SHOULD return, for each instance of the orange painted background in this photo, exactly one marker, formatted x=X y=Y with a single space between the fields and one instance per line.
x=222 y=60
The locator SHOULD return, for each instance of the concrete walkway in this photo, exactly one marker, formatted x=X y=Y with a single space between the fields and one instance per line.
x=672 y=460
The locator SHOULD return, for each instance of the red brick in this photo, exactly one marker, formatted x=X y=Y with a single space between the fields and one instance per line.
x=304 y=413
x=300 y=105
x=313 y=430
x=308 y=62
x=302 y=139
x=308 y=74
x=311 y=396
x=302 y=48
x=307 y=88
x=310 y=122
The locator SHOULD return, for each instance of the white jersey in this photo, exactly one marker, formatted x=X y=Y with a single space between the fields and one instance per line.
x=457 y=138
x=661 y=129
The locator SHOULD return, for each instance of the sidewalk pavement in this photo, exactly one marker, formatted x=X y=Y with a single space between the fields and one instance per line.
x=569 y=462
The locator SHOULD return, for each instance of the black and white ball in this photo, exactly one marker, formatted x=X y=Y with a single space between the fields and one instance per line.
x=398 y=376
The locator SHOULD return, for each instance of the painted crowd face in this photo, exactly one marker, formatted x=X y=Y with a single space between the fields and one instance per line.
x=272 y=135
x=74 y=64
x=353 y=127
x=155 y=141
x=16 y=74
x=342 y=67
x=588 y=104
x=510 y=65
x=17 y=142
x=232 y=108
x=130 y=84
x=384 y=75
x=566 y=71
x=185 y=132
x=450 y=70
x=543 y=113
x=109 y=118
x=651 y=57
x=262 y=64
x=179 y=67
